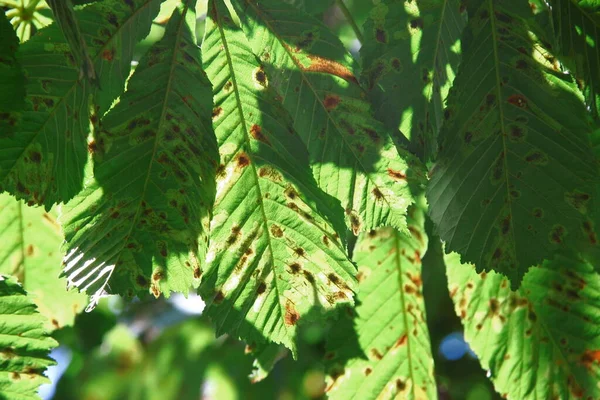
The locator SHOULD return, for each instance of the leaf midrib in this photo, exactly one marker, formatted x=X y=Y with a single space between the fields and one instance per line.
x=252 y=164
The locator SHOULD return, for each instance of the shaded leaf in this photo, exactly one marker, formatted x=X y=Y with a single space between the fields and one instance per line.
x=515 y=172
x=395 y=358
x=12 y=81
x=65 y=18
x=410 y=56
x=540 y=342
x=275 y=252
x=30 y=251
x=153 y=187
x=24 y=344
x=352 y=155
x=577 y=24
x=43 y=162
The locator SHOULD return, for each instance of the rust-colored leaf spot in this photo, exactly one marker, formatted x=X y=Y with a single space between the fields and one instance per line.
x=376 y=354
x=29 y=250
x=557 y=234
x=327 y=66
x=108 y=55
x=260 y=77
x=276 y=231
x=401 y=341
x=396 y=175
x=219 y=297
x=197 y=272
x=242 y=160
x=290 y=193
x=256 y=132
x=262 y=287
x=235 y=234
x=325 y=240
x=299 y=251
x=578 y=200
x=333 y=278
x=217 y=112
x=291 y=315
x=517 y=100
x=368 y=371
x=158 y=275
x=295 y=268
x=590 y=357
x=331 y=101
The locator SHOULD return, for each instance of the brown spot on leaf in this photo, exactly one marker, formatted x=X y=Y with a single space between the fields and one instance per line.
x=400 y=385
x=256 y=132
x=376 y=354
x=517 y=100
x=219 y=297
x=368 y=371
x=260 y=77
x=327 y=66
x=141 y=281
x=396 y=175
x=262 y=287
x=380 y=35
x=416 y=23
x=291 y=315
x=217 y=112
x=108 y=54
x=557 y=234
x=276 y=231
x=401 y=341
x=505 y=225
x=299 y=251
x=295 y=268
x=377 y=193
x=331 y=101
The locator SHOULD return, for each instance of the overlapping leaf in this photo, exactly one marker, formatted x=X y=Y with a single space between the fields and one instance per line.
x=412 y=47
x=30 y=251
x=143 y=221
x=353 y=156
x=390 y=323
x=540 y=342
x=12 y=81
x=577 y=26
x=275 y=253
x=24 y=344
x=516 y=178
x=43 y=161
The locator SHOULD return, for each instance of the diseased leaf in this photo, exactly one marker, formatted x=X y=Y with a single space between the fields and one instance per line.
x=540 y=342
x=155 y=157
x=577 y=25
x=410 y=55
x=275 y=252
x=43 y=161
x=352 y=155
x=65 y=18
x=12 y=81
x=24 y=344
x=30 y=251
x=393 y=359
x=516 y=179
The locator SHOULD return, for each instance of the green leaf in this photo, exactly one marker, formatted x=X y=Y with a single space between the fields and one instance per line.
x=43 y=162
x=393 y=357
x=576 y=24
x=65 y=18
x=12 y=81
x=31 y=240
x=540 y=342
x=515 y=179
x=312 y=7
x=155 y=158
x=352 y=155
x=24 y=344
x=410 y=55
x=275 y=251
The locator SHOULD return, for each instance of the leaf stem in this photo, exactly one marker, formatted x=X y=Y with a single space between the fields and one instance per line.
x=350 y=19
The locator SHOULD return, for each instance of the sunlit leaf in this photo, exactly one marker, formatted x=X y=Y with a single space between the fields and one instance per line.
x=352 y=155
x=393 y=359
x=275 y=252
x=155 y=157
x=30 y=251
x=410 y=56
x=24 y=344
x=540 y=342
x=43 y=161
x=516 y=178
